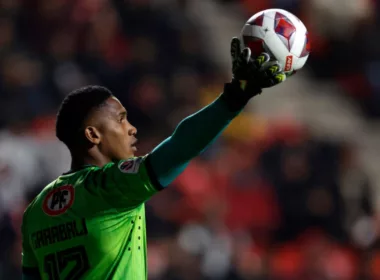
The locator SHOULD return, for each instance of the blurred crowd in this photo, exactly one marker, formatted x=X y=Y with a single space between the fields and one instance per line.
x=269 y=200
x=345 y=44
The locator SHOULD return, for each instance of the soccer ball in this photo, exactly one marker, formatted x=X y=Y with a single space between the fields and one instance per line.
x=279 y=33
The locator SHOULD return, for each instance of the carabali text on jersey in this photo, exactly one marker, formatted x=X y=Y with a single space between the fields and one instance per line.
x=59 y=233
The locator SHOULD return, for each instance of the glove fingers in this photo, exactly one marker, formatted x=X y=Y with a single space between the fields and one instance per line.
x=273 y=74
x=242 y=61
x=254 y=73
x=235 y=48
x=246 y=55
x=272 y=69
x=261 y=60
x=278 y=78
x=274 y=79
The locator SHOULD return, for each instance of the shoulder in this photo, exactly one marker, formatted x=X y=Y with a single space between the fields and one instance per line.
x=36 y=202
x=131 y=165
x=125 y=166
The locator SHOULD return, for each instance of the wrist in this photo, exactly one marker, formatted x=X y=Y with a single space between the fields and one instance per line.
x=235 y=97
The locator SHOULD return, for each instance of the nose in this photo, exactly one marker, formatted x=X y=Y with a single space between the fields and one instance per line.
x=132 y=131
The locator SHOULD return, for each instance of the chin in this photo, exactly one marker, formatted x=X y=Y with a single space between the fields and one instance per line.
x=131 y=154
x=123 y=157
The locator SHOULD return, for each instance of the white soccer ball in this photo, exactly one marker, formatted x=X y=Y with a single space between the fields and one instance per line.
x=279 y=33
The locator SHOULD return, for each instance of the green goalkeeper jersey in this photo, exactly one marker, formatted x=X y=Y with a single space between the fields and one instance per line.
x=90 y=224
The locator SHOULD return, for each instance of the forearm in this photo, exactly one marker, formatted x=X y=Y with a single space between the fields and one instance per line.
x=193 y=135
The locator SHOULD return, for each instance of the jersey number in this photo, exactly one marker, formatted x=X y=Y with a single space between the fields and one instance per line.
x=56 y=263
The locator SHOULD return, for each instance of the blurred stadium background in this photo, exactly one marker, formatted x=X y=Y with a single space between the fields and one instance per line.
x=292 y=189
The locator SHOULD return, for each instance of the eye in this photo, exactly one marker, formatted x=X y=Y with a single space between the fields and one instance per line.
x=122 y=118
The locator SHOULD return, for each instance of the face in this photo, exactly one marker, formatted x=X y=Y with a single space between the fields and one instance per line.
x=114 y=135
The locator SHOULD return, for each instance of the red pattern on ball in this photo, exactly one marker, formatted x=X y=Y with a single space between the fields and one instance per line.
x=284 y=27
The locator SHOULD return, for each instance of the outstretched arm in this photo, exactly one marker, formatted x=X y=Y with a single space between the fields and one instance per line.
x=192 y=136
x=196 y=132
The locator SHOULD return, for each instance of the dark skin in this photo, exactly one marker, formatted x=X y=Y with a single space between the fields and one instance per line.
x=109 y=136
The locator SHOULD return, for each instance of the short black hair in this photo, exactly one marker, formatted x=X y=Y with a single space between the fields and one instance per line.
x=74 y=110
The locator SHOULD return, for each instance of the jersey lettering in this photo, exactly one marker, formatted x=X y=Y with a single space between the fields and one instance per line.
x=59 y=233
x=90 y=224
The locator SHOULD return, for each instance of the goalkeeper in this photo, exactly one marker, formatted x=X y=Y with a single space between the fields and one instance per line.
x=90 y=222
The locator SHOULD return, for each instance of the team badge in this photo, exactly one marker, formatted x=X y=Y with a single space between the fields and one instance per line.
x=59 y=200
x=130 y=166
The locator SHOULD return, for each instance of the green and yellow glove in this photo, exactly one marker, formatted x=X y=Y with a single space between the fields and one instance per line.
x=250 y=75
x=260 y=72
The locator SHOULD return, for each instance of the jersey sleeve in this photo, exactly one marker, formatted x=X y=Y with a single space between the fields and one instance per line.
x=128 y=183
x=28 y=259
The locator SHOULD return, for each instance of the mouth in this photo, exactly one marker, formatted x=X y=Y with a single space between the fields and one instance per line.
x=133 y=145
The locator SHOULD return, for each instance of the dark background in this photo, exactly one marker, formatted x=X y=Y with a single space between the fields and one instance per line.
x=271 y=199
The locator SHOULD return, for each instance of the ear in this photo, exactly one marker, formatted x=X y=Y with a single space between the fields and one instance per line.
x=93 y=135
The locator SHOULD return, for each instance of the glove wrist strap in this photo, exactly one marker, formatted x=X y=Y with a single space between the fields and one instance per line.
x=235 y=97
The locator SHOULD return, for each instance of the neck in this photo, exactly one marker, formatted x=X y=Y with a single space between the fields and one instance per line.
x=96 y=159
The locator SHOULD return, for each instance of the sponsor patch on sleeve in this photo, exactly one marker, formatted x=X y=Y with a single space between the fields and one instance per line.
x=130 y=166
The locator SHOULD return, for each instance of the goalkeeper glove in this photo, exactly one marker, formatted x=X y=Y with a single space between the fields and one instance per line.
x=250 y=76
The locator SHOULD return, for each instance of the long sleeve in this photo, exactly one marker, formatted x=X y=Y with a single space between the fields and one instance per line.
x=192 y=136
